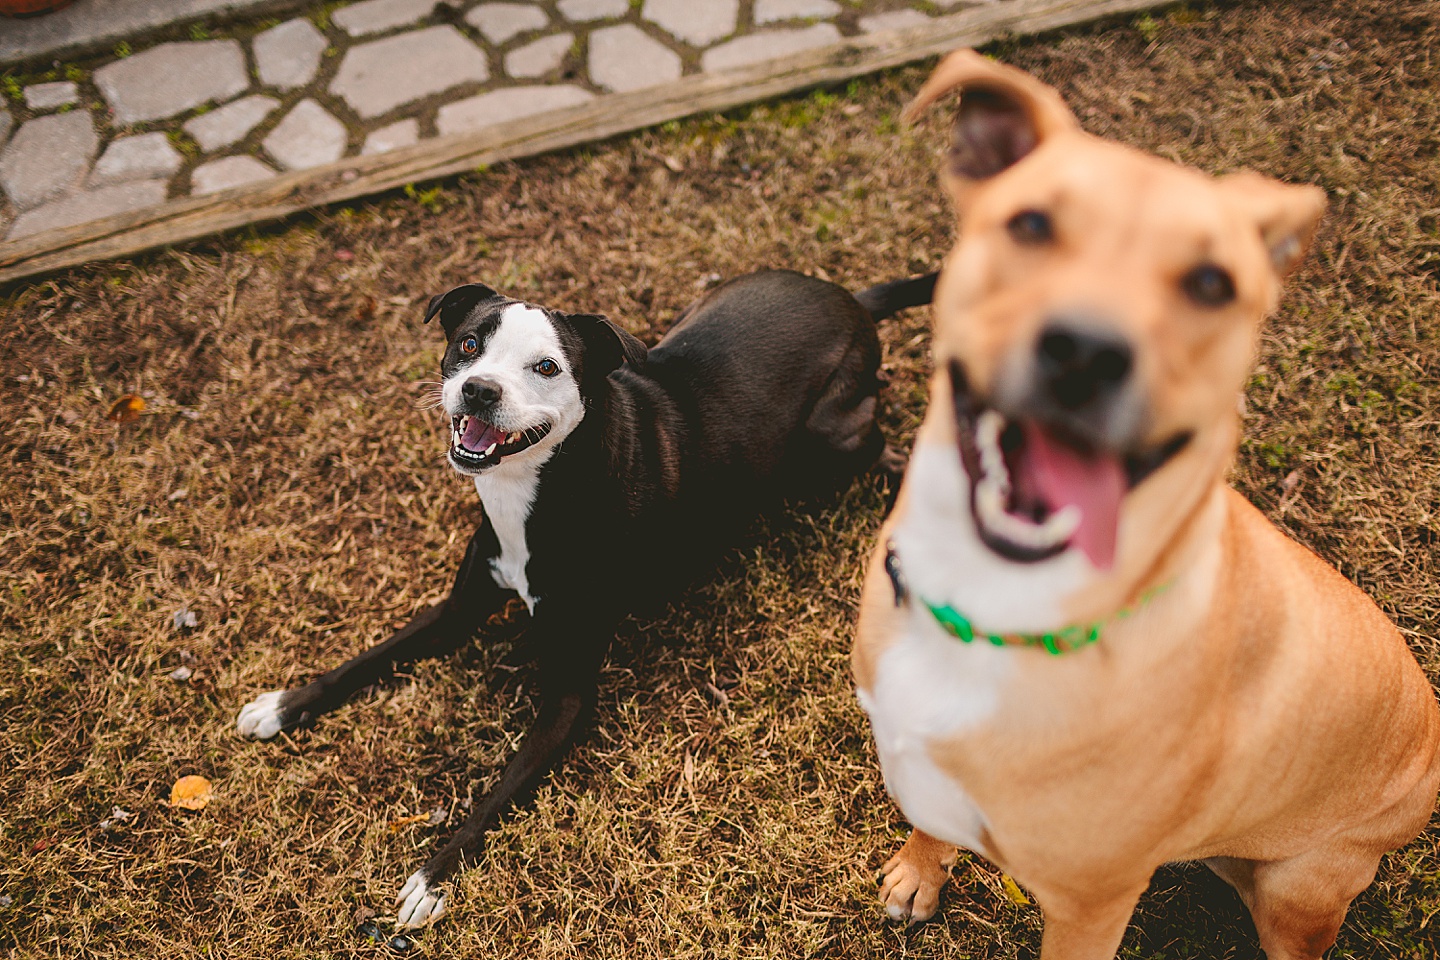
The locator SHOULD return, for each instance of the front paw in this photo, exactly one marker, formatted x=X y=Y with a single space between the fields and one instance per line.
x=268 y=714
x=418 y=904
x=910 y=881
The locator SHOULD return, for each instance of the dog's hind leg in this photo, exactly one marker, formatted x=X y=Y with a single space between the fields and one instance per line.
x=431 y=633
x=568 y=679
x=1299 y=904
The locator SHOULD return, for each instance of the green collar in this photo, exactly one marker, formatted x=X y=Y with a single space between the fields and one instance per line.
x=955 y=623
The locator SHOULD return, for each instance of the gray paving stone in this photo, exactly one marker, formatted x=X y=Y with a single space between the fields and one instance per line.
x=307 y=137
x=47 y=156
x=403 y=134
x=539 y=57
x=227 y=172
x=375 y=16
x=229 y=124
x=581 y=11
x=287 y=56
x=88 y=205
x=145 y=157
x=697 y=23
x=894 y=20
x=379 y=76
x=172 y=78
x=501 y=21
x=48 y=96
x=771 y=11
x=497 y=106
x=767 y=46
x=625 y=58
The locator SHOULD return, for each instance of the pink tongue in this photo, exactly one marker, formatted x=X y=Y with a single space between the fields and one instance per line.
x=479 y=435
x=1094 y=485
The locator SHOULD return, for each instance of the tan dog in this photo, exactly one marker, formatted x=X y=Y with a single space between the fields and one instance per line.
x=1083 y=655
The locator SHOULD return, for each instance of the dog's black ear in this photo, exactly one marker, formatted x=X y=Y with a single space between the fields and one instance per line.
x=455 y=305
x=1004 y=114
x=606 y=345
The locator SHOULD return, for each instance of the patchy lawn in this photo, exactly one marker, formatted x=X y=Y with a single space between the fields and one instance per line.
x=286 y=485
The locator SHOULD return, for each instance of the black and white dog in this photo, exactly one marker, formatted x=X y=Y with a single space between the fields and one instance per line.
x=609 y=474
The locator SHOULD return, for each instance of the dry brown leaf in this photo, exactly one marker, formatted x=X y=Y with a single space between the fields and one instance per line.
x=127 y=409
x=397 y=825
x=190 y=793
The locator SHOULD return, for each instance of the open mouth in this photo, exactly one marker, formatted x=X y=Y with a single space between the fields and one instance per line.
x=1036 y=491
x=476 y=445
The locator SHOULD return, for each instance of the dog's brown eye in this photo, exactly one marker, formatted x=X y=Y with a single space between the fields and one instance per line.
x=547 y=367
x=1209 y=286
x=469 y=345
x=1031 y=227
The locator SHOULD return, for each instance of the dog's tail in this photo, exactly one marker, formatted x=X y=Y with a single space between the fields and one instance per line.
x=887 y=299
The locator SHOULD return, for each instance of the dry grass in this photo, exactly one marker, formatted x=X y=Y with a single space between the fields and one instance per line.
x=286 y=485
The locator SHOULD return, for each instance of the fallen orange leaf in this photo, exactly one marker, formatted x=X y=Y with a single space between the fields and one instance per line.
x=1013 y=891
x=190 y=793
x=127 y=409
x=397 y=825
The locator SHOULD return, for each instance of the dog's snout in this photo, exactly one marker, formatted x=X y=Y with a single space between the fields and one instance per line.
x=1078 y=366
x=478 y=390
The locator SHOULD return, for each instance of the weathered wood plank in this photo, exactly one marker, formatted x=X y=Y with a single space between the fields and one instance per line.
x=193 y=217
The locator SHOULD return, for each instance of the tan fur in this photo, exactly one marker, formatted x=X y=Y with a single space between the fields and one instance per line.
x=1261 y=713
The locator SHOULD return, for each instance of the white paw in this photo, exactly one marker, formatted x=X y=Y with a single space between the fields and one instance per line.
x=418 y=903
x=260 y=718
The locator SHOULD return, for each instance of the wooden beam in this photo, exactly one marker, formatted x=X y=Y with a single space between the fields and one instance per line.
x=190 y=218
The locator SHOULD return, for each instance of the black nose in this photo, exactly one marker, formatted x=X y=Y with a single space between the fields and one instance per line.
x=1078 y=366
x=480 y=391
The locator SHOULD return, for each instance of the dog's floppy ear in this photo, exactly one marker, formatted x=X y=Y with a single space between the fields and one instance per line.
x=1286 y=215
x=606 y=345
x=455 y=305
x=1004 y=114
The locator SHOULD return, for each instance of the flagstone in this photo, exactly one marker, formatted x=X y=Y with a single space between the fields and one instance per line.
x=172 y=78
x=624 y=58
x=47 y=156
x=376 y=77
x=287 y=56
x=144 y=157
x=229 y=124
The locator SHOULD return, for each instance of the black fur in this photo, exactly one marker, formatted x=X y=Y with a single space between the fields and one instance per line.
x=764 y=388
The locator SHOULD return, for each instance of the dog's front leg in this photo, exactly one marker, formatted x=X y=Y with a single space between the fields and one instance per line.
x=569 y=672
x=431 y=633
x=911 y=880
x=1085 y=928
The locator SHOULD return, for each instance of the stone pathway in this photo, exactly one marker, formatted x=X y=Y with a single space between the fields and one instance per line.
x=192 y=116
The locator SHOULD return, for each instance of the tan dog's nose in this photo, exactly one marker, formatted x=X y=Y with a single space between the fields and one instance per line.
x=1080 y=368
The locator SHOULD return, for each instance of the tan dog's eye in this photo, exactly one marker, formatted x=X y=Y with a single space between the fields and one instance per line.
x=1031 y=227
x=547 y=368
x=1209 y=286
x=469 y=345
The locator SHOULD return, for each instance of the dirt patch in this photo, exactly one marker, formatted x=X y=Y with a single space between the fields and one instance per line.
x=285 y=484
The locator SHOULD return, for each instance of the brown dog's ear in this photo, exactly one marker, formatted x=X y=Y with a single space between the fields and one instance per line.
x=1286 y=215
x=1004 y=113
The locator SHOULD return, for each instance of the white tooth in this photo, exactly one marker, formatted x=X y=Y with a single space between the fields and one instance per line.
x=988 y=427
x=490 y=449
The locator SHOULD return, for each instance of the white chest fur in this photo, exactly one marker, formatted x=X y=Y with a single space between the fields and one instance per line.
x=507 y=492
x=928 y=686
